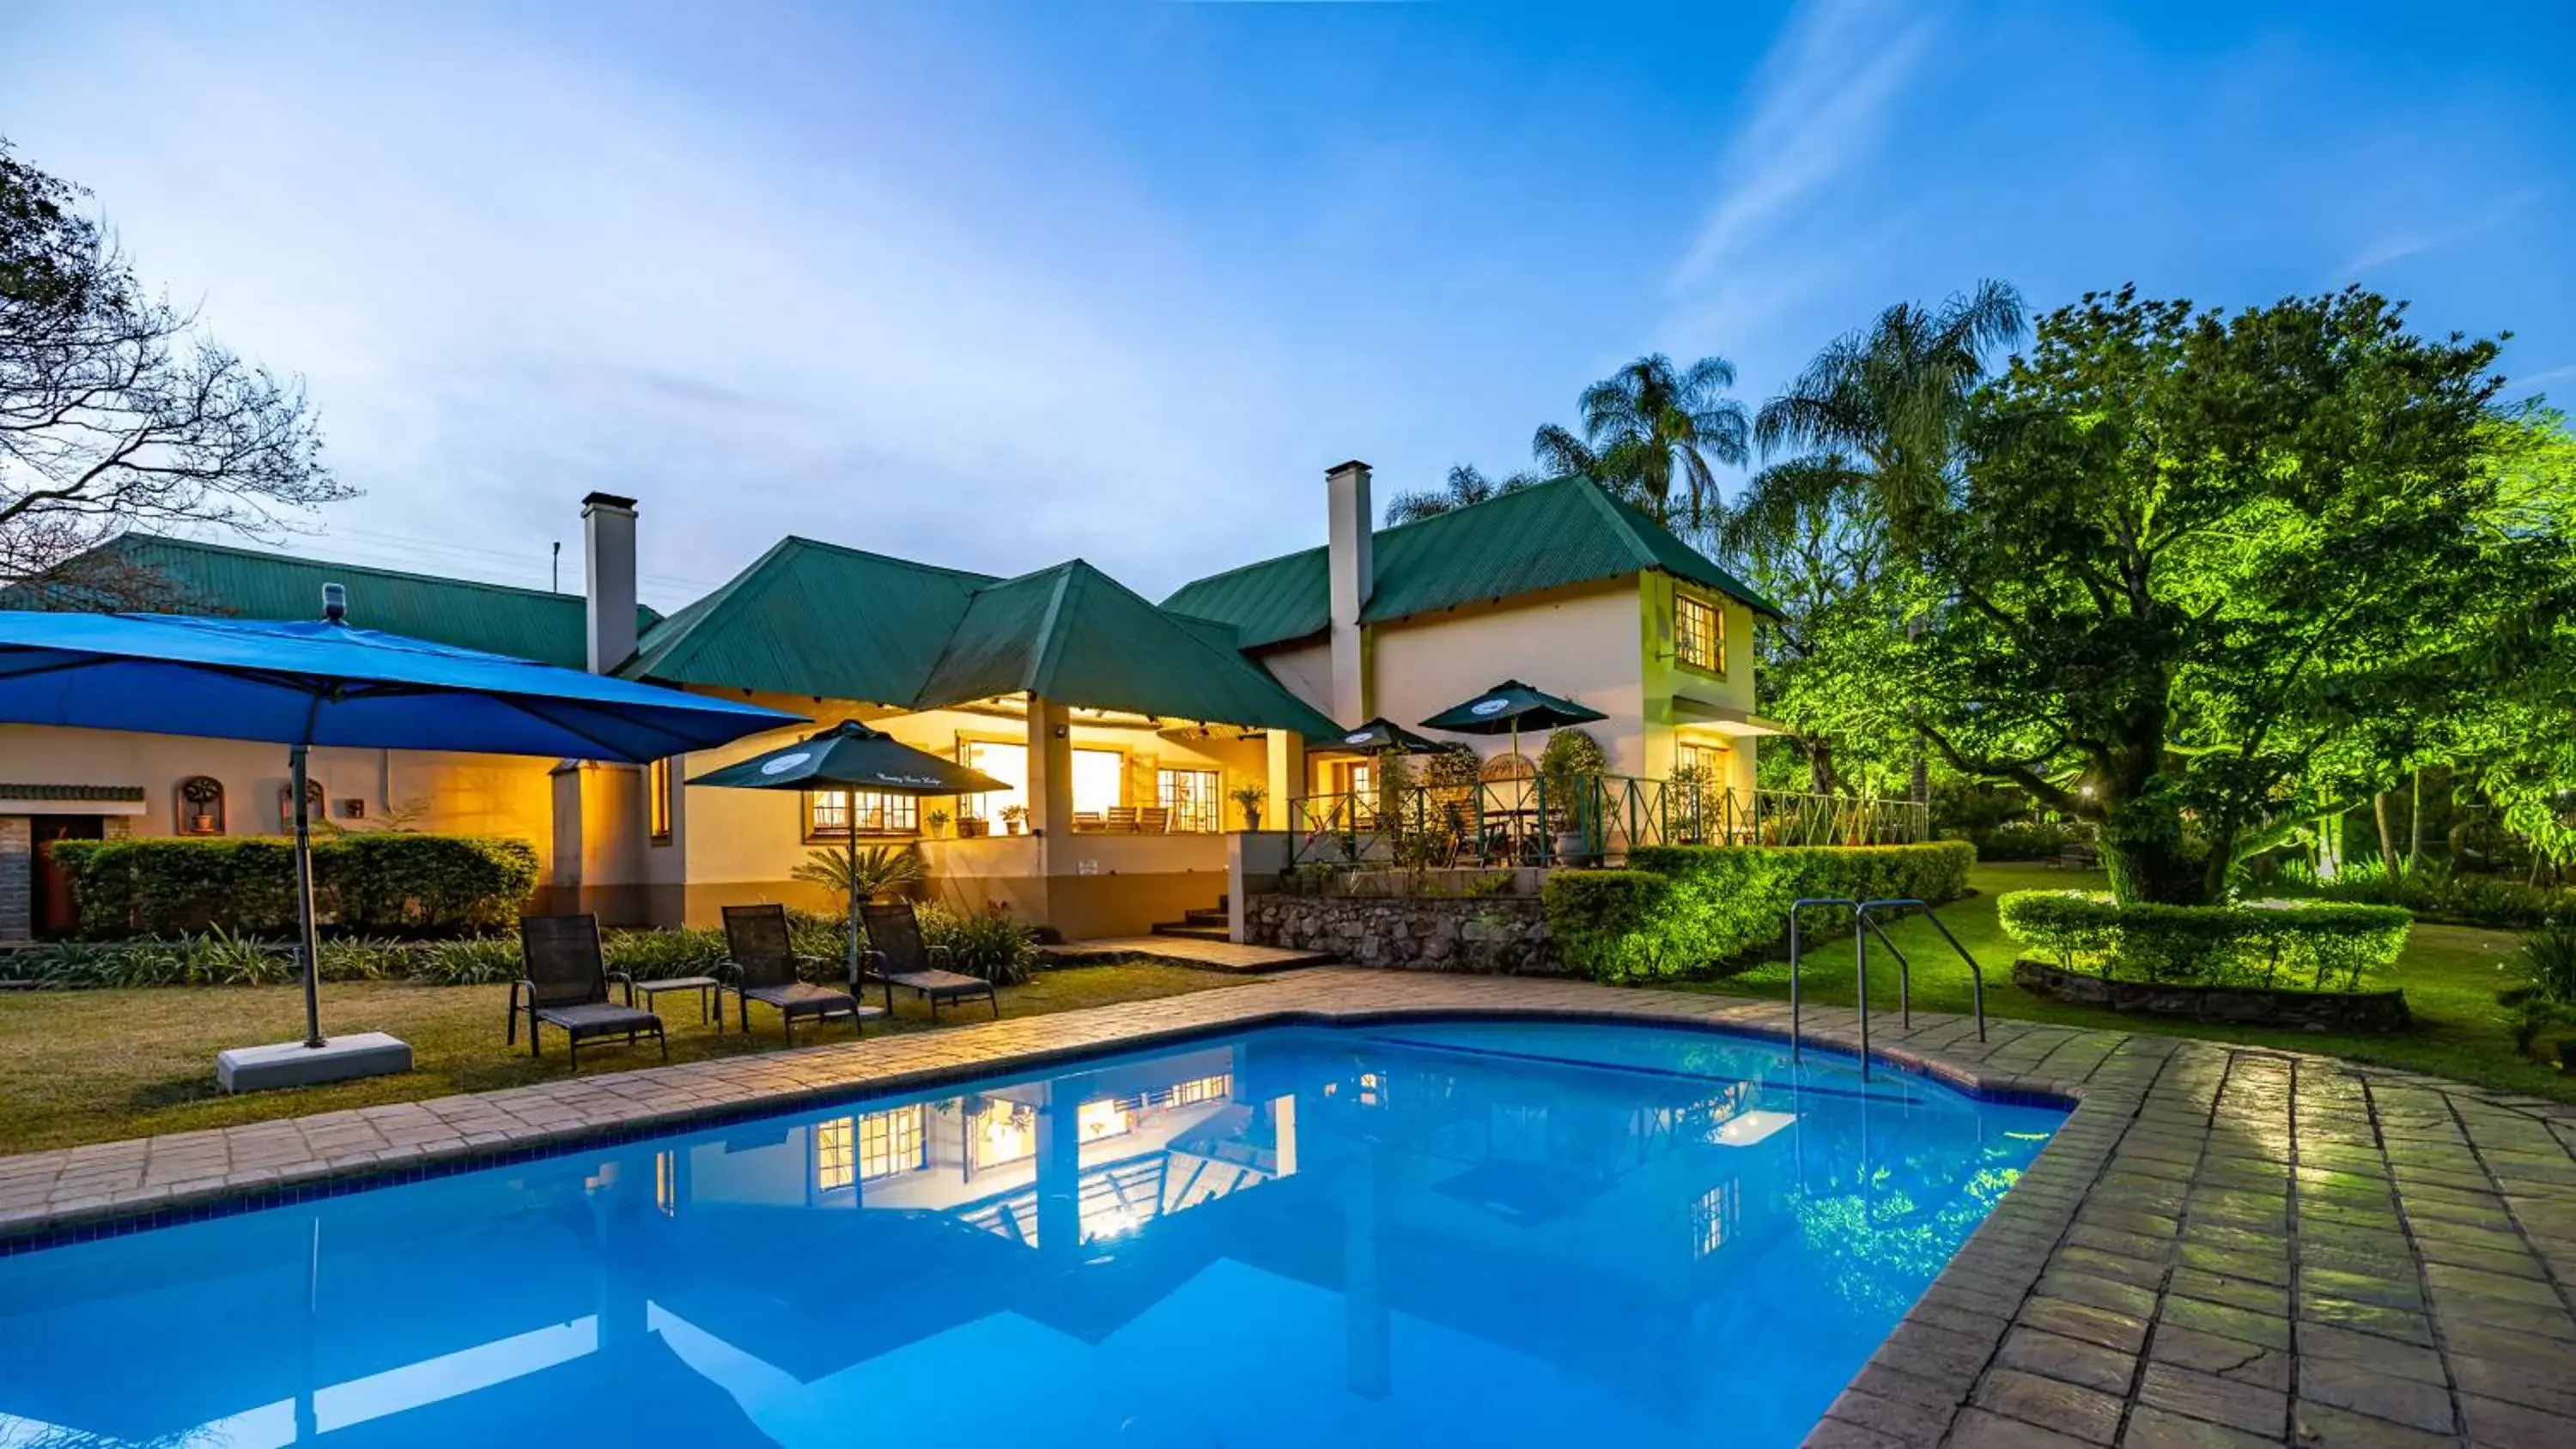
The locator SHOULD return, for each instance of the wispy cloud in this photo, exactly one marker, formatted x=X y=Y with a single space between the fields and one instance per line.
x=1817 y=104
x=2397 y=246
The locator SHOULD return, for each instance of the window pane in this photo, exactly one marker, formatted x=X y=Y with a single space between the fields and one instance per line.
x=1191 y=796
x=1696 y=640
x=1099 y=779
x=1004 y=762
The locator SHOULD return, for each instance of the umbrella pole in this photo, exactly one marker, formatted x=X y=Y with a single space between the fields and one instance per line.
x=850 y=937
x=308 y=941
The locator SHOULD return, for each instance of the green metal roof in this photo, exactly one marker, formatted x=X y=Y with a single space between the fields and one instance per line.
x=816 y=619
x=1073 y=633
x=189 y=577
x=1557 y=534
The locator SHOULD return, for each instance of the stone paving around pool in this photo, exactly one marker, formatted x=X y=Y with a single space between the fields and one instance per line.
x=2223 y=1245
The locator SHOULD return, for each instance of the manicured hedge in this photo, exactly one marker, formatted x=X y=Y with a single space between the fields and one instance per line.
x=982 y=944
x=2308 y=946
x=1687 y=908
x=382 y=882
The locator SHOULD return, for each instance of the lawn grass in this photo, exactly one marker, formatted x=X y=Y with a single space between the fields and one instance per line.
x=95 y=1066
x=2450 y=974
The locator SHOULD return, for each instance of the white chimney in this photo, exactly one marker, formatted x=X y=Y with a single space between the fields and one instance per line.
x=1354 y=578
x=608 y=577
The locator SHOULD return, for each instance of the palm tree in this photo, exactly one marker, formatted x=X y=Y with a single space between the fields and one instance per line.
x=1655 y=434
x=1467 y=486
x=1892 y=400
x=1876 y=427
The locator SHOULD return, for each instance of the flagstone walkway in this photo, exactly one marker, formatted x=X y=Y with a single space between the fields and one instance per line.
x=2222 y=1246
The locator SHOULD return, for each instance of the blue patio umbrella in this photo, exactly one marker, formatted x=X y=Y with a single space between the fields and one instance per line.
x=328 y=682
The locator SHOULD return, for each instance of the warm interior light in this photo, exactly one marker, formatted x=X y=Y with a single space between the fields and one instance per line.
x=1105 y=1118
x=1746 y=1128
x=1005 y=1134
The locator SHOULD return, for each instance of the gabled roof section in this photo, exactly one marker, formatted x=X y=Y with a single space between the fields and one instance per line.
x=817 y=619
x=1074 y=634
x=184 y=576
x=1570 y=531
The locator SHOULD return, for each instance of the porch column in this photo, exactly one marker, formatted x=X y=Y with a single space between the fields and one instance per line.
x=1287 y=770
x=1050 y=777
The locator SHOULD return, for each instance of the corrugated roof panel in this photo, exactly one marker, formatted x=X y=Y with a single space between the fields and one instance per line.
x=216 y=579
x=1075 y=634
x=1554 y=535
x=816 y=619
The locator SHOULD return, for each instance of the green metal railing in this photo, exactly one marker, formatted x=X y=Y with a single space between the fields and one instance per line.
x=1582 y=820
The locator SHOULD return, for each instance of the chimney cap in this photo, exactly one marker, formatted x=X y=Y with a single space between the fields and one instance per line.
x=1353 y=466
x=606 y=500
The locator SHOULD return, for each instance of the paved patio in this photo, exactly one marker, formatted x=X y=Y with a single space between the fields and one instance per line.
x=1232 y=957
x=2223 y=1246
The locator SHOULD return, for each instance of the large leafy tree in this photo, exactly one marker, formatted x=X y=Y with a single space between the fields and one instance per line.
x=1656 y=433
x=116 y=411
x=2193 y=557
x=2518 y=747
x=1874 y=427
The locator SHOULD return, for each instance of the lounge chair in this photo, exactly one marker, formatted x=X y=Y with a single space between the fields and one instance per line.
x=761 y=966
x=565 y=985
x=897 y=956
x=1120 y=819
x=1154 y=820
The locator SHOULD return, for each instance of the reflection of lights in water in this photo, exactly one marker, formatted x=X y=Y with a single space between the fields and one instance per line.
x=1118 y=1222
x=1368 y=1089
x=1713 y=1217
x=1747 y=1128
x=1106 y=1118
x=2028 y=1136
x=1005 y=1134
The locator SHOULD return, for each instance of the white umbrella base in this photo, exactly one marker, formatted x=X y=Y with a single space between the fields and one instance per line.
x=293 y=1064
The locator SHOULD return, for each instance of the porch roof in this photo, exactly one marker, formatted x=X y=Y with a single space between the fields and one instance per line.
x=817 y=619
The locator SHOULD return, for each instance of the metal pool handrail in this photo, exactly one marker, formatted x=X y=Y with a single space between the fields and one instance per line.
x=1796 y=1040
x=1905 y=992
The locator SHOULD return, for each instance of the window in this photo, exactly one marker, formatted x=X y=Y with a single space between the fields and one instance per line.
x=657 y=801
x=1699 y=634
x=1714 y=1218
x=1710 y=761
x=890 y=1143
x=1000 y=1132
x=834 y=1168
x=1099 y=778
x=1202 y=1089
x=828 y=814
x=1191 y=796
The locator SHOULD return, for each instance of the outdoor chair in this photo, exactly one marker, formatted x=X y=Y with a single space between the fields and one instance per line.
x=564 y=984
x=761 y=964
x=1154 y=820
x=897 y=956
x=1121 y=818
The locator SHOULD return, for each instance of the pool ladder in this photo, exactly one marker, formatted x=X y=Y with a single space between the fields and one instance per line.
x=1864 y=926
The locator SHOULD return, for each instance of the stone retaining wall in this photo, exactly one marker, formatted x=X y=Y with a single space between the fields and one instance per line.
x=2370 y=1011
x=1487 y=935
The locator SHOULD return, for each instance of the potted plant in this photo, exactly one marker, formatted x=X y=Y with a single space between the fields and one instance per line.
x=1014 y=817
x=1249 y=798
x=973 y=827
x=1568 y=769
x=202 y=794
x=938 y=822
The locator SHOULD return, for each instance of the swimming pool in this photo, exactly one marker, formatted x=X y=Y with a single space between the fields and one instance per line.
x=1431 y=1232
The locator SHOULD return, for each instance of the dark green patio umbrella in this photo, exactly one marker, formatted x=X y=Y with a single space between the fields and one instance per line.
x=851 y=756
x=1379 y=736
x=1508 y=706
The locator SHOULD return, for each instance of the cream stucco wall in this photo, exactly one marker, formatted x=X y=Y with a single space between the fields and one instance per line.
x=1607 y=645
x=503 y=795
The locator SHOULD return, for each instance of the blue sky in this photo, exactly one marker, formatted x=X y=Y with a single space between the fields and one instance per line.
x=995 y=285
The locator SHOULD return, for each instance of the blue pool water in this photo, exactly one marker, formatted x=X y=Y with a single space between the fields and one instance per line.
x=1492 y=1233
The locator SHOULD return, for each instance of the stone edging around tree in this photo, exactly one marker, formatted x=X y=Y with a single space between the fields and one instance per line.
x=2361 y=1011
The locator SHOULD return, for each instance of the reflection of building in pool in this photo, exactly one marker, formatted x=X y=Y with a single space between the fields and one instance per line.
x=786 y=1278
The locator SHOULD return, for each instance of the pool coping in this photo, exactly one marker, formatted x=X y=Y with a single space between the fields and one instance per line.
x=2022 y=1338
